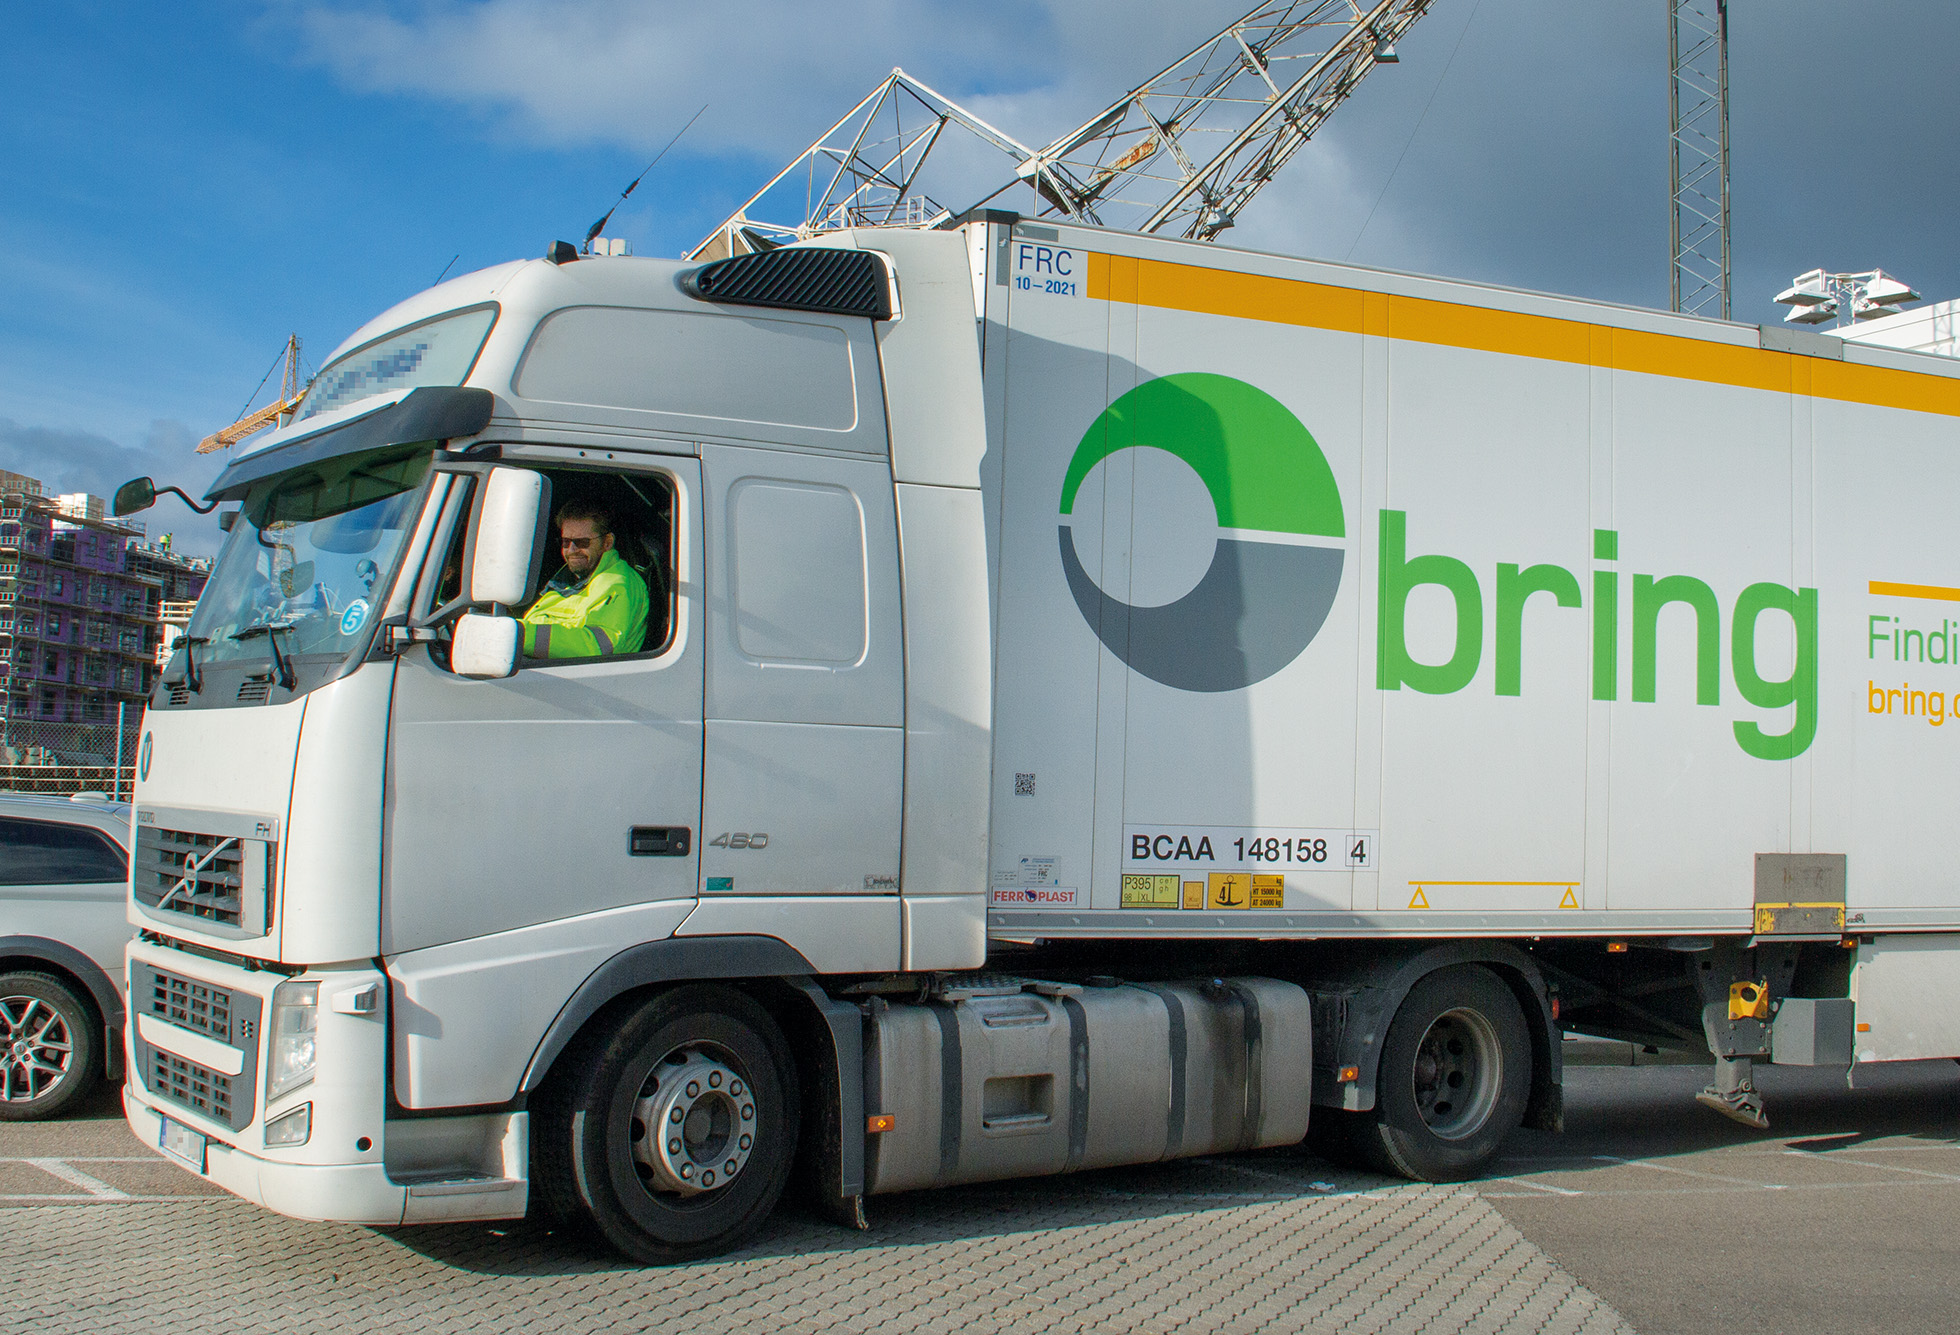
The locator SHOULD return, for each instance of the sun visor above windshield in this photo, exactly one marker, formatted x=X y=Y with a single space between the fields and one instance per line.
x=432 y=413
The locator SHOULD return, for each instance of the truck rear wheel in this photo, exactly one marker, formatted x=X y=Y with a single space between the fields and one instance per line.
x=672 y=1135
x=1455 y=1074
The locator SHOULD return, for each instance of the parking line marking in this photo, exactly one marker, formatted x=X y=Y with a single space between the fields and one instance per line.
x=1537 y=1186
x=1689 y=1172
x=26 y=1200
x=75 y=1177
x=1898 y=1168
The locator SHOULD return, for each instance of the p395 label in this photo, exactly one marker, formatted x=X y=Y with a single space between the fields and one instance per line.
x=739 y=840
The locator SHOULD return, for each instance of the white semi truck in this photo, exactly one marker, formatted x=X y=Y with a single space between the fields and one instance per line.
x=1106 y=699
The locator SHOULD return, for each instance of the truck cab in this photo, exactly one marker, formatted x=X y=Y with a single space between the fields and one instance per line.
x=388 y=869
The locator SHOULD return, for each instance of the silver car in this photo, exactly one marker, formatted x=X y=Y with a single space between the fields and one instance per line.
x=64 y=868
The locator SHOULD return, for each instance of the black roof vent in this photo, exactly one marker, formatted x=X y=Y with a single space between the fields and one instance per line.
x=798 y=278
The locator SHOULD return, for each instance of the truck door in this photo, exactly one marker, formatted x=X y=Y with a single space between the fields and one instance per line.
x=571 y=787
x=805 y=745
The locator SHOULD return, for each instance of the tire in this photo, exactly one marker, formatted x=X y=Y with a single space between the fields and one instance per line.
x=708 y=1064
x=50 y=1047
x=1455 y=1074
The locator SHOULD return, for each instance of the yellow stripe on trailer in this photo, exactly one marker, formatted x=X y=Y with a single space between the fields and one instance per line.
x=1187 y=287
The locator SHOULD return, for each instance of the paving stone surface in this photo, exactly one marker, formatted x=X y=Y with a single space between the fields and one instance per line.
x=1248 y=1243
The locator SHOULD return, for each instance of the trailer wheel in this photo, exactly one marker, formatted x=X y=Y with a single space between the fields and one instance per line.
x=672 y=1134
x=49 y=1053
x=1455 y=1074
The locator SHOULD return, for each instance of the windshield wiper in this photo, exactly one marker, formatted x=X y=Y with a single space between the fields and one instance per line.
x=282 y=671
x=192 y=677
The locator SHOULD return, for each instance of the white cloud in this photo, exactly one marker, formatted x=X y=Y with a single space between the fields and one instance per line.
x=565 y=72
x=621 y=72
x=68 y=461
x=1539 y=161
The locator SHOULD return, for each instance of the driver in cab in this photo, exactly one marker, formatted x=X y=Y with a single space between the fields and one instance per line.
x=597 y=604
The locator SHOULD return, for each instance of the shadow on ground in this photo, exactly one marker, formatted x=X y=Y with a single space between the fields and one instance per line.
x=989 y=1210
x=1647 y=1112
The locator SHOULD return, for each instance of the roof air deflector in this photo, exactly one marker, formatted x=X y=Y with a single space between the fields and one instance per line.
x=798 y=278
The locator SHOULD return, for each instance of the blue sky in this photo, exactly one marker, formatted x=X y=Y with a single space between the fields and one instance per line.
x=187 y=184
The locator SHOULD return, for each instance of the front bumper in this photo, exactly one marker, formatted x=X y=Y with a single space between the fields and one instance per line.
x=197 y=1056
x=338 y=1193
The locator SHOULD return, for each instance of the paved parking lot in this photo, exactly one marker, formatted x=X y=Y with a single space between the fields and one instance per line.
x=1649 y=1214
x=103 y=1236
x=1842 y=1219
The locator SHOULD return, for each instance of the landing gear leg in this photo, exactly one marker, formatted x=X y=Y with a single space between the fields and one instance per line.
x=1733 y=1094
x=1739 y=990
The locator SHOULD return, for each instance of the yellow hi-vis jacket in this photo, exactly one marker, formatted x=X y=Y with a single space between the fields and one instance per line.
x=605 y=613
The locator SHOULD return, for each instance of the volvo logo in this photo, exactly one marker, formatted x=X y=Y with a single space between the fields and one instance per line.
x=143 y=757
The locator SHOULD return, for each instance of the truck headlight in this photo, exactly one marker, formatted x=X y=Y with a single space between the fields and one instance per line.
x=295 y=1019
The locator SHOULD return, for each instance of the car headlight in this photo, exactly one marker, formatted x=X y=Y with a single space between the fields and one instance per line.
x=295 y=1020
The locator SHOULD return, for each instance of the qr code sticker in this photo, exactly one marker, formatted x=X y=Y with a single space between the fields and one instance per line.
x=1024 y=785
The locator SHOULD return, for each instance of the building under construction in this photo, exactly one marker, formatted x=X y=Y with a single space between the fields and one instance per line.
x=82 y=604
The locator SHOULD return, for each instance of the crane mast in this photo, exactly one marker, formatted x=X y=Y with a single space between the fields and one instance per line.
x=1182 y=153
x=1187 y=150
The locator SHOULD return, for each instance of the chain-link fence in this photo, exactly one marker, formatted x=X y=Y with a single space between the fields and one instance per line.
x=45 y=756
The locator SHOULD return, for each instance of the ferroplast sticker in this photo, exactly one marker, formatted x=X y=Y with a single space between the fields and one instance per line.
x=1034 y=897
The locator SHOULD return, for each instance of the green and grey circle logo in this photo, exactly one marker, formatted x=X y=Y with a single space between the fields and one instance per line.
x=1281 y=542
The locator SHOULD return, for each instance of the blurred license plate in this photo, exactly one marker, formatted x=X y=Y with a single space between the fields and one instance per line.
x=182 y=1143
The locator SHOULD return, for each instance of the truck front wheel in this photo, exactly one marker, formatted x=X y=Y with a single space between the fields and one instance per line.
x=672 y=1134
x=1455 y=1074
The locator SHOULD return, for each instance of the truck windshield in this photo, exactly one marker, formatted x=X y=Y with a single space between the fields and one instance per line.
x=308 y=558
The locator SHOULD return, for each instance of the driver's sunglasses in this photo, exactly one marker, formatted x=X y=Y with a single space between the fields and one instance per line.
x=576 y=544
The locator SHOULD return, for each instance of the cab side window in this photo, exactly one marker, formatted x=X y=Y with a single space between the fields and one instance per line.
x=35 y=852
x=595 y=515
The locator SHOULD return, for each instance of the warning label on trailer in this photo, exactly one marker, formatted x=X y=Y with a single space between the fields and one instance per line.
x=1152 y=892
x=1229 y=889
x=1033 y=869
x=1243 y=890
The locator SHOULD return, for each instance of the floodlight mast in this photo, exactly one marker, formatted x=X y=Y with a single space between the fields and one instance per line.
x=1698 y=156
x=1817 y=296
x=1142 y=164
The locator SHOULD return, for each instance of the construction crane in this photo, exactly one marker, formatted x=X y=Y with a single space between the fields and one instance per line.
x=1184 y=152
x=290 y=393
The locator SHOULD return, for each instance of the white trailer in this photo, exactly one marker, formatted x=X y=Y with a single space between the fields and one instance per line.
x=1106 y=697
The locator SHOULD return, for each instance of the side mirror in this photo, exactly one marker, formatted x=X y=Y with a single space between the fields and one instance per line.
x=508 y=542
x=139 y=493
x=484 y=647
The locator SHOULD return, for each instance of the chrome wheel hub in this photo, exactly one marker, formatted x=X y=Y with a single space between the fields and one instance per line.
x=1459 y=1068
x=694 y=1124
x=37 y=1048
